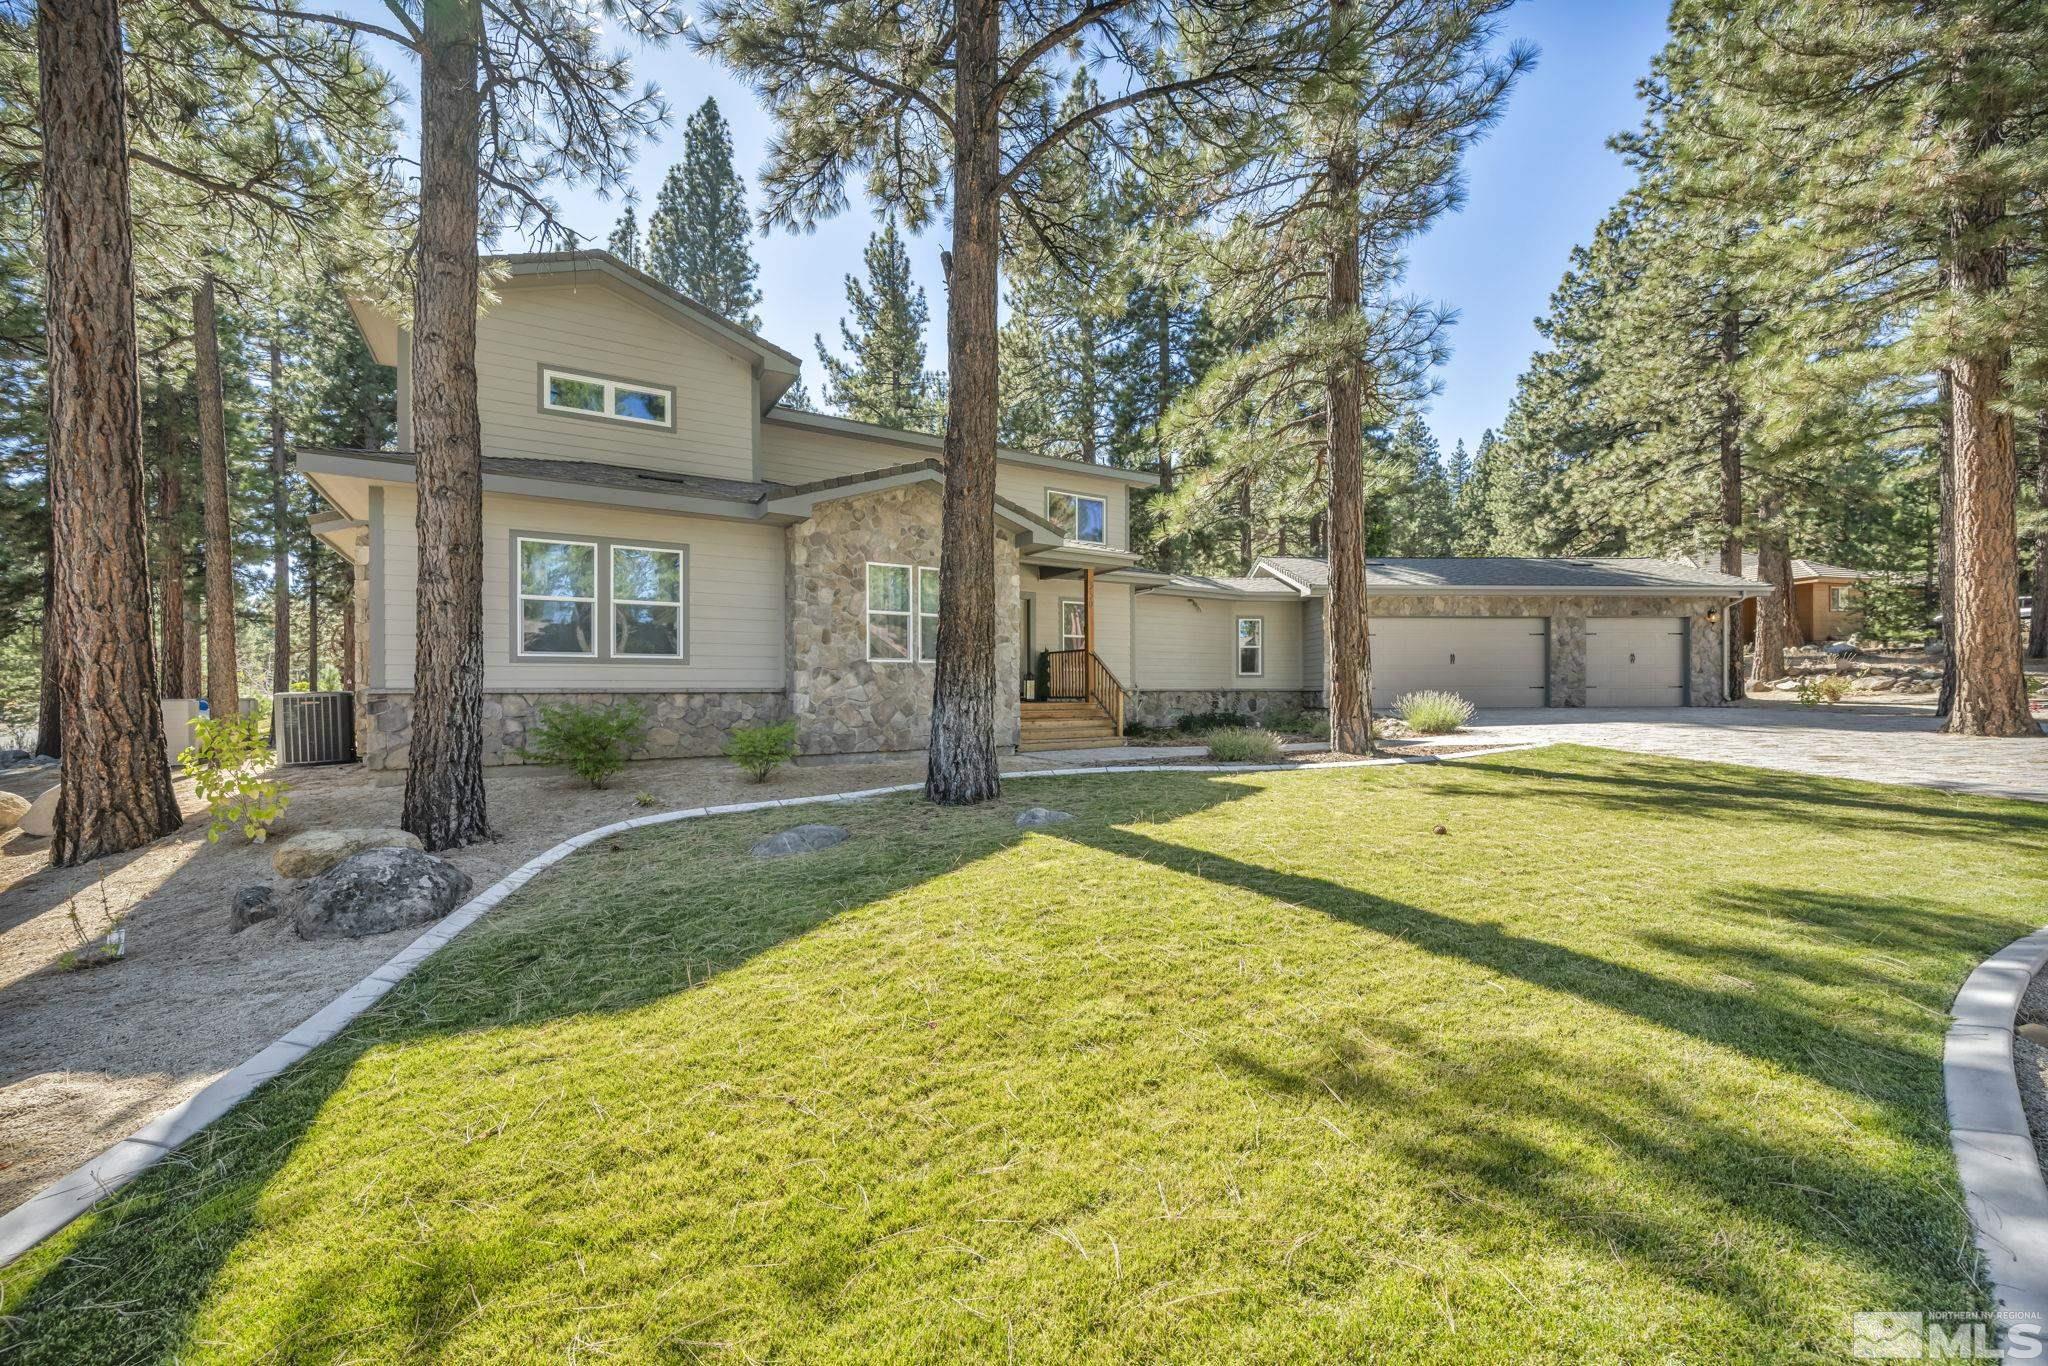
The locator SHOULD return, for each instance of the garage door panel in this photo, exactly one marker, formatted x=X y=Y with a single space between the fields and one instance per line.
x=1635 y=661
x=1488 y=661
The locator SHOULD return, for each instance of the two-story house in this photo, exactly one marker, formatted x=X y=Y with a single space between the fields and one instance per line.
x=658 y=528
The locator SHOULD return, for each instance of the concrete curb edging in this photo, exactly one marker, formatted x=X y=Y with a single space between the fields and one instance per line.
x=2003 y=1187
x=64 y=1199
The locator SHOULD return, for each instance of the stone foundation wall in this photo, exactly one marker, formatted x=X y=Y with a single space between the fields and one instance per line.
x=682 y=725
x=843 y=704
x=1163 y=706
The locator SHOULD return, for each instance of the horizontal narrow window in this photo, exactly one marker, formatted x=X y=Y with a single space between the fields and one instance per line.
x=594 y=396
x=557 y=597
x=647 y=602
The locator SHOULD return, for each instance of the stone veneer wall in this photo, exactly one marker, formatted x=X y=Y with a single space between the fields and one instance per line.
x=1164 y=706
x=842 y=703
x=680 y=725
x=1568 y=631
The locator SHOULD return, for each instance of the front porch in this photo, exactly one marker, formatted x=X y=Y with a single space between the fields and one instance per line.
x=1072 y=699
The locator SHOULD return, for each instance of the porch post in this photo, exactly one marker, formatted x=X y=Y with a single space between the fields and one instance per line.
x=1088 y=611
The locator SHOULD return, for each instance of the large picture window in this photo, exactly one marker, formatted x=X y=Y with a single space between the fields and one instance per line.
x=563 y=391
x=647 y=602
x=1079 y=517
x=557 y=597
x=1251 y=646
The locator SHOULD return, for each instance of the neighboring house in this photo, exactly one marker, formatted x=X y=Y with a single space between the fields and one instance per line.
x=1826 y=600
x=656 y=528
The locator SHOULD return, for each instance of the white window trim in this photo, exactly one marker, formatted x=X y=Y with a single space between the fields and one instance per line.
x=524 y=597
x=613 y=602
x=919 y=614
x=611 y=389
x=1079 y=498
x=1237 y=648
x=869 y=612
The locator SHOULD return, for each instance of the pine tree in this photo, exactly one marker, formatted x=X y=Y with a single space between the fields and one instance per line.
x=885 y=381
x=698 y=237
x=626 y=242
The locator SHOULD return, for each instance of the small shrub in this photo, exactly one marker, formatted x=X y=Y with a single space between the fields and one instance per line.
x=1314 y=724
x=590 y=741
x=228 y=761
x=1196 y=722
x=760 y=750
x=110 y=945
x=1822 y=689
x=1434 y=713
x=1243 y=746
x=643 y=800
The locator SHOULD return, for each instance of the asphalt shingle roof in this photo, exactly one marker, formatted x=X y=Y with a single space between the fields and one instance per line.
x=1530 y=572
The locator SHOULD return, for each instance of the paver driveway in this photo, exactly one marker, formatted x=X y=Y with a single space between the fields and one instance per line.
x=1892 y=743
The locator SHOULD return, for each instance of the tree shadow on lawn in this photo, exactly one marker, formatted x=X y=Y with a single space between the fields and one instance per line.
x=1682 y=790
x=601 y=935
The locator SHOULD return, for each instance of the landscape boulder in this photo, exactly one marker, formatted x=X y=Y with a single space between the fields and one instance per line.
x=375 y=892
x=804 y=839
x=255 y=902
x=10 y=757
x=1038 y=816
x=12 y=809
x=40 y=819
x=313 y=852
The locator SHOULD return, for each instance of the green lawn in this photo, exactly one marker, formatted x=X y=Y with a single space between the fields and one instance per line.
x=1640 y=1060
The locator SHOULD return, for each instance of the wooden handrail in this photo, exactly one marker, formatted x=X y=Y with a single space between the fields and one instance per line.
x=1081 y=674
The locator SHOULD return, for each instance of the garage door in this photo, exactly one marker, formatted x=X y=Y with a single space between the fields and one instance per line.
x=1488 y=661
x=1635 y=662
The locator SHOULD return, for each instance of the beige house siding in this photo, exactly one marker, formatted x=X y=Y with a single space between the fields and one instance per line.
x=1041 y=602
x=594 y=329
x=733 y=598
x=1187 y=644
x=1027 y=485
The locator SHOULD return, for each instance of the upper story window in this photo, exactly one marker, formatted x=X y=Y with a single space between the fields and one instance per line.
x=1251 y=646
x=557 y=597
x=1079 y=517
x=578 y=395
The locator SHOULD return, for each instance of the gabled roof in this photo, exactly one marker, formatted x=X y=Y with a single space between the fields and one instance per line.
x=777 y=368
x=1511 y=574
x=926 y=441
x=593 y=482
x=1804 y=570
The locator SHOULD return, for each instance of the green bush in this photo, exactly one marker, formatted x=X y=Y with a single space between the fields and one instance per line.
x=228 y=761
x=1243 y=746
x=1818 y=689
x=590 y=741
x=760 y=750
x=1196 y=722
x=1041 y=677
x=1433 y=713
x=1299 y=721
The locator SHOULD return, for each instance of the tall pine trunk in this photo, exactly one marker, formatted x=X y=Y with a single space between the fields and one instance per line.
x=961 y=765
x=1991 y=693
x=2037 y=625
x=116 y=784
x=170 y=488
x=223 y=687
x=1945 y=544
x=312 y=613
x=1729 y=435
x=444 y=781
x=50 y=700
x=1347 y=643
x=1244 y=523
x=193 y=658
x=1774 y=630
x=280 y=553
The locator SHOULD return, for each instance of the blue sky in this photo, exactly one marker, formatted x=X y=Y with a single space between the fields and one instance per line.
x=1536 y=186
